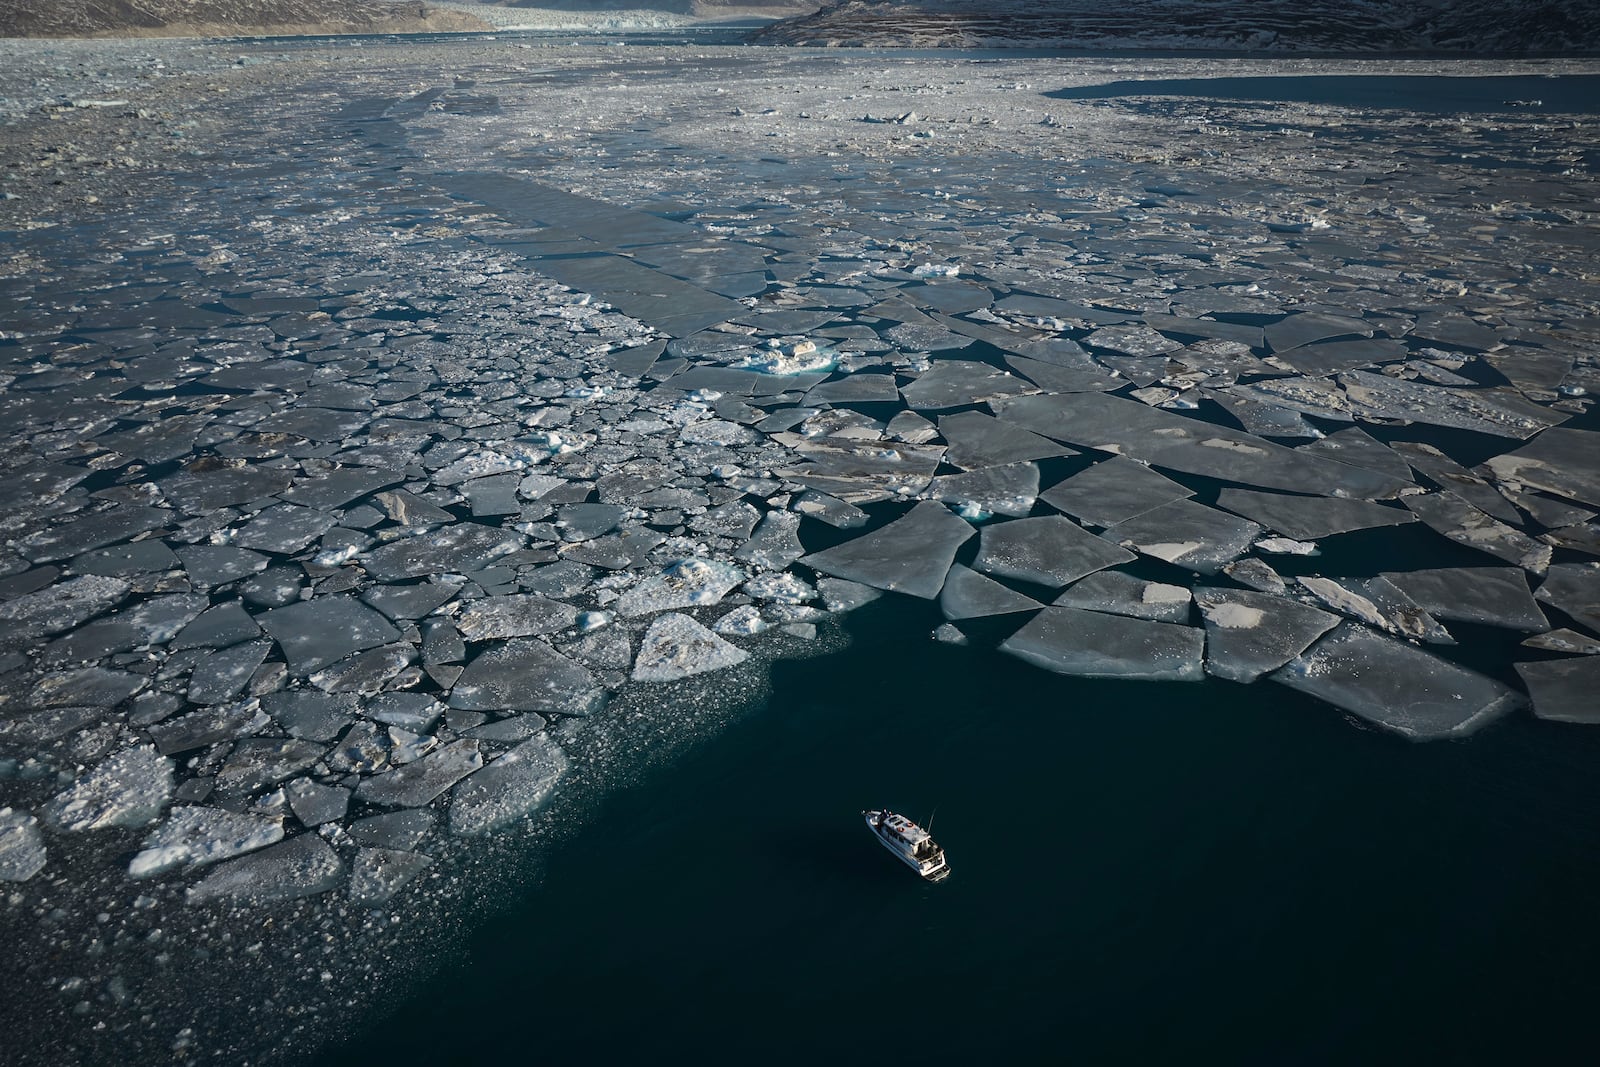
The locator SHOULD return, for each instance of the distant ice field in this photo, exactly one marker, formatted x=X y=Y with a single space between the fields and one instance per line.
x=455 y=432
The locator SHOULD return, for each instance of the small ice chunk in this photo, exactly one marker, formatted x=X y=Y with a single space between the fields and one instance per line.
x=379 y=873
x=1284 y=546
x=418 y=783
x=1563 y=690
x=299 y=867
x=22 y=851
x=128 y=789
x=314 y=804
x=675 y=646
x=782 y=588
x=512 y=787
x=195 y=836
x=742 y=621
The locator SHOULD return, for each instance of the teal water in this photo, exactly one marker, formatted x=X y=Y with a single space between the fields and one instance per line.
x=1143 y=873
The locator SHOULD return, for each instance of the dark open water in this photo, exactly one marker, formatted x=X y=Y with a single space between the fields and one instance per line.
x=1143 y=873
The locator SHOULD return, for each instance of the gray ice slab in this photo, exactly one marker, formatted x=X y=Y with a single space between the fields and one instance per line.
x=855 y=389
x=970 y=595
x=1263 y=419
x=1502 y=412
x=1562 y=461
x=828 y=509
x=88 y=686
x=226 y=624
x=525 y=674
x=377 y=874
x=512 y=787
x=775 y=543
x=1396 y=685
x=319 y=632
x=492 y=496
x=416 y=712
x=614 y=551
x=1257 y=575
x=204 y=486
x=416 y=784
x=1335 y=357
x=22 y=851
x=1163 y=439
x=1058 y=378
x=205 y=727
x=122 y=561
x=303 y=866
x=1305 y=328
x=314 y=424
x=840 y=596
x=314 y=804
x=1112 y=491
x=1574 y=588
x=410 y=510
x=83 y=532
x=1493 y=596
x=283 y=529
x=402 y=830
x=675 y=646
x=1119 y=593
x=1132 y=340
x=262 y=761
x=1564 y=640
x=910 y=555
x=1464 y=524
x=1564 y=690
x=519 y=615
x=1250 y=633
x=1009 y=490
x=976 y=440
x=952 y=383
x=338 y=488
x=463 y=546
x=1186 y=533
x=1355 y=446
x=129 y=788
x=410 y=601
x=194 y=836
x=1049 y=550
x=209 y=566
x=584 y=521
x=1454 y=478
x=860 y=472
x=1087 y=643
x=222 y=675
x=1188 y=326
x=1310 y=518
x=60 y=607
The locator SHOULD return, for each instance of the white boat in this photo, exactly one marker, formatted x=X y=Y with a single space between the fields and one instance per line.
x=915 y=847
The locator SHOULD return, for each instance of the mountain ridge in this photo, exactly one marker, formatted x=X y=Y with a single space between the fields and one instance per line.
x=226 y=18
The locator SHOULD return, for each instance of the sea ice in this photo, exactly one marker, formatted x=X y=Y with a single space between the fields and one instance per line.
x=207 y=726
x=1087 y=643
x=1574 y=588
x=1396 y=685
x=299 y=867
x=195 y=836
x=1112 y=491
x=521 y=615
x=687 y=583
x=379 y=873
x=1119 y=593
x=525 y=674
x=511 y=787
x=318 y=632
x=970 y=595
x=60 y=607
x=1310 y=518
x=127 y=789
x=1494 y=596
x=1250 y=633
x=910 y=555
x=418 y=783
x=1191 y=535
x=22 y=851
x=675 y=646
x=1008 y=490
x=1049 y=550
x=1564 y=690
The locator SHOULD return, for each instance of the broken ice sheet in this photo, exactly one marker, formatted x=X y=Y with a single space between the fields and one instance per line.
x=1493 y=596
x=510 y=788
x=1396 y=685
x=1563 y=690
x=1112 y=491
x=1464 y=524
x=953 y=383
x=977 y=440
x=417 y=783
x=302 y=866
x=1119 y=593
x=60 y=607
x=970 y=595
x=1191 y=535
x=316 y=633
x=519 y=615
x=1563 y=461
x=910 y=555
x=1087 y=643
x=690 y=582
x=1049 y=550
x=1008 y=490
x=1250 y=633
x=1574 y=588
x=525 y=674
x=676 y=646
x=194 y=836
x=1310 y=518
x=127 y=789
x=860 y=472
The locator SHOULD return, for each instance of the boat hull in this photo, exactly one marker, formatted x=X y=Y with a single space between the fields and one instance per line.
x=932 y=870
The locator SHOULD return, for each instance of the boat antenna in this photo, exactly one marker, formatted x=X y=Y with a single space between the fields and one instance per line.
x=930 y=818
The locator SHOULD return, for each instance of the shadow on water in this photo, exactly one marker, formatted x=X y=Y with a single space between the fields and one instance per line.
x=1430 y=93
x=1141 y=873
